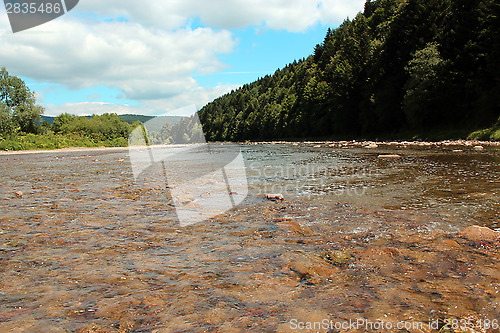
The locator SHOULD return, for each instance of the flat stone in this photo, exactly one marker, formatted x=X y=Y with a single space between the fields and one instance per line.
x=477 y=233
x=275 y=197
x=389 y=156
x=295 y=226
x=336 y=257
x=185 y=199
x=309 y=265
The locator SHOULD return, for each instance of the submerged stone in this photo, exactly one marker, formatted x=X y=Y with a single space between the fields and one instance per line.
x=295 y=226
x=336 y=257
x=309 y=265
x=477 y=233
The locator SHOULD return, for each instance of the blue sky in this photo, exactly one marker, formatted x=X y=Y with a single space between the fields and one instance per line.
x=260 y=54
x=153 y=58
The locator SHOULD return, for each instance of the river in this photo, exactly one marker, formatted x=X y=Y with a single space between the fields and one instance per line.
x=365 y=235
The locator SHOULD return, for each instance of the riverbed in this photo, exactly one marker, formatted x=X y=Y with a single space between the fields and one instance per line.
x=365 y=233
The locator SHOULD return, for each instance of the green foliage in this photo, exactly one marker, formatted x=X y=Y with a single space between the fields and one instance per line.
x=97 y=128
x=18 y=109
x=56 y=141
x=401 y=66
x=62 y=121
x=6 y=123
x=492 y=133
x=421 y=100
x=132 y=118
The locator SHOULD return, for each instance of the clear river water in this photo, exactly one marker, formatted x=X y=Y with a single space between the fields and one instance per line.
x=361 y=236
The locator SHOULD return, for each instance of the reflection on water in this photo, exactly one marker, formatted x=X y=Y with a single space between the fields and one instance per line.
x=86 y=248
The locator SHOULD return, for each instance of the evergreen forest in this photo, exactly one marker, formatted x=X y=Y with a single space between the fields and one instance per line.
x=425 y=69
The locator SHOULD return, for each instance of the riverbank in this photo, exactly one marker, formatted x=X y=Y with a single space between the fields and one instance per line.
x=474 y=144
x=400 y=144
x=61 y=150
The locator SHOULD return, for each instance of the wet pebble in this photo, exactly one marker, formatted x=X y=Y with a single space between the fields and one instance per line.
x=336 y=257
x=477 y=233
x=389 y=156
x=309 y=265
x=303 y=230
x=275 y=197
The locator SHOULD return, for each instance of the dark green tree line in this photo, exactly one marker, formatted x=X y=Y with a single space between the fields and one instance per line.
x=399 y=66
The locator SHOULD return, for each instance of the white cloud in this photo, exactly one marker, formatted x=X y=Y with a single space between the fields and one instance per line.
x=151 y=56
x=143 y=63
x=335 y=10
x=198 y=97
x=88 y=108
x=291 y=15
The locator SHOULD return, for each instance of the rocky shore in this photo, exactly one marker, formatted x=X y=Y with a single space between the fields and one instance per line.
x=474 y=144
x=478 y=145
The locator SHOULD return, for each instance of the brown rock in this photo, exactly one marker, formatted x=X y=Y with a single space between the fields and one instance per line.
x=275 y=197
x=228 y=328
x=19 y=194
x=309 y=265
x=95 y=328
x=336 y=257
x=295 y=226
x=477 y=233
x=185 y=199
x=391 y=251
x=389 y=156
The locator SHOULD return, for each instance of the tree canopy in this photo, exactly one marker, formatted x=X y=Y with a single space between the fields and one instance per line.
x=400 y=65
x=18 y=109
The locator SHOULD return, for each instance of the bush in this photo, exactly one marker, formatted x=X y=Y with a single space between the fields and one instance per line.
x=56 y=141
x=486 y=134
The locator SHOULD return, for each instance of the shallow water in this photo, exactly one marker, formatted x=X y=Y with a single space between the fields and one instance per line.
x=89 y=249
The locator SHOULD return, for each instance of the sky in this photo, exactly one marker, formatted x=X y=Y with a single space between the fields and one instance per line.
x=155 y=57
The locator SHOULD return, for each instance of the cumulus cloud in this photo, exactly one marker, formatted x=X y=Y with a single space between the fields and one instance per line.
x=197 y=97
x=146 y=49
x=143 y=63
x=291 y=15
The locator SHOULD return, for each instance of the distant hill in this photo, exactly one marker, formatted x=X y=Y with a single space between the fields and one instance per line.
x=152 y=126
x=130 y=118
x=50 y=119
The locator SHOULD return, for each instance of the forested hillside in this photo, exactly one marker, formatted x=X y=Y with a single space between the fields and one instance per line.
x=401 y=67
